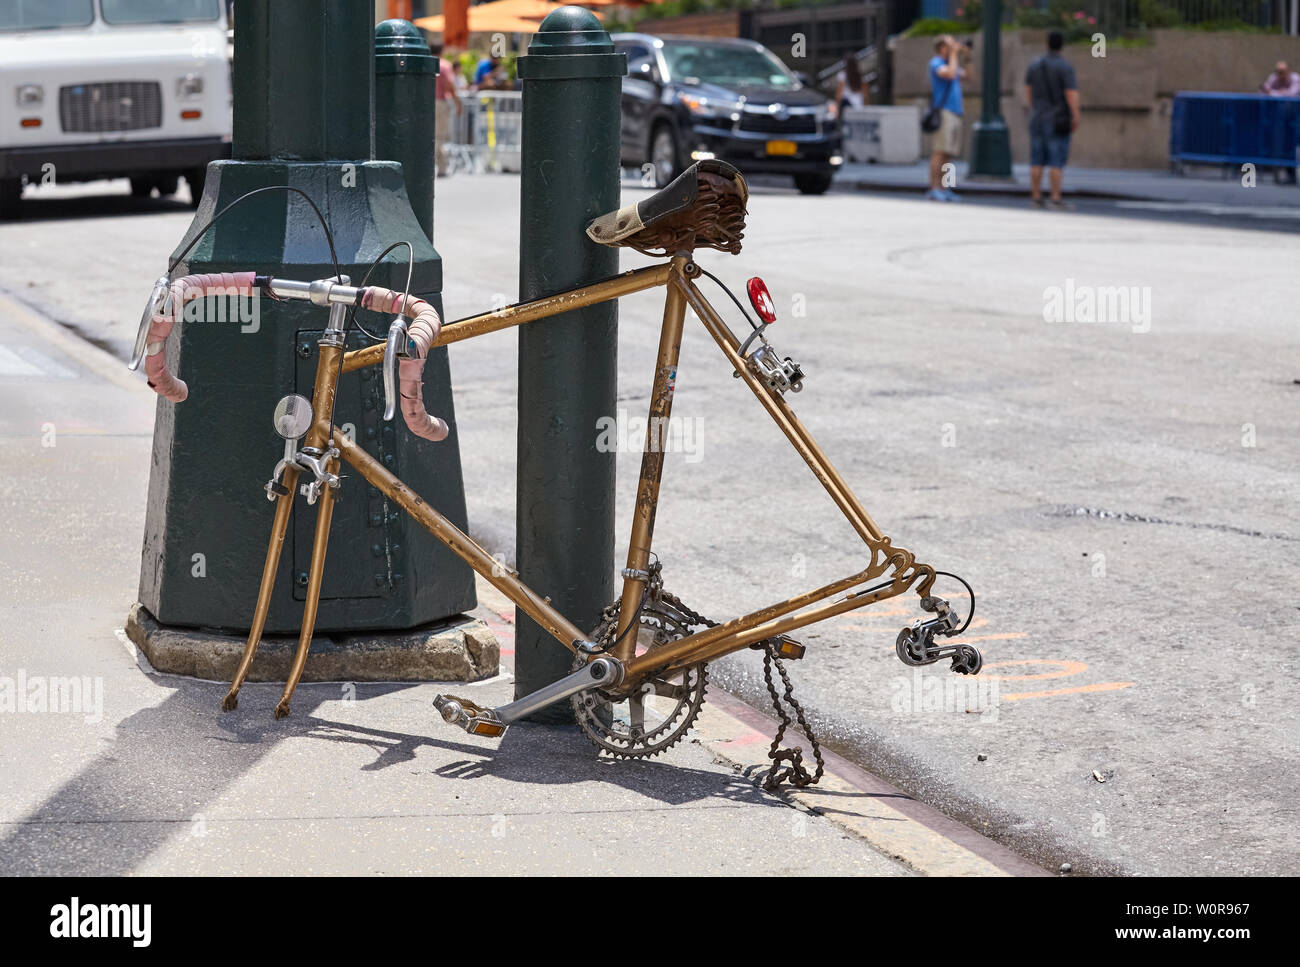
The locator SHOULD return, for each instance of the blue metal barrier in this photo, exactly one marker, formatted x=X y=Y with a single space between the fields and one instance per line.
x=1233 y=129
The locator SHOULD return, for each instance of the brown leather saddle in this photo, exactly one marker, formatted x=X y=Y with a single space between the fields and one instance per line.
x=704 y=207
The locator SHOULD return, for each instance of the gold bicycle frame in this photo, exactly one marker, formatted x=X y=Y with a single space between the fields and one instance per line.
x=677 y=277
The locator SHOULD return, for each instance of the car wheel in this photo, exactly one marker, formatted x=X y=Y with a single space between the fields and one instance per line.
x=167 y=184
x=11 y=193
x=813 y=183
x=196 y=178
x=663 y=155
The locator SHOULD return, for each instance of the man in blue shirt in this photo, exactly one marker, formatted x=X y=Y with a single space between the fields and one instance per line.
x=945 y=91
x=1053 y=98
x=486 y=73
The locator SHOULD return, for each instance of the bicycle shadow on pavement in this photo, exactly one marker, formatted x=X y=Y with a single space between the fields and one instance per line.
x=167 y=764
x=153 y=781
x=537 y=754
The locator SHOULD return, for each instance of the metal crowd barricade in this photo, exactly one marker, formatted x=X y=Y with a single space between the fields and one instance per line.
x=485 y=136
x=1234 y=129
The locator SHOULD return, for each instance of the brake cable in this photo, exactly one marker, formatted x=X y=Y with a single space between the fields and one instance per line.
x=352 y=313
x=329 y=237
x=755 y=326
x=969 y=590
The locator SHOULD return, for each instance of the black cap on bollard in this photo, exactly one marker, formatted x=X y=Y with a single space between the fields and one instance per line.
x=406 y=78
x=400 y=49
x=575 y=32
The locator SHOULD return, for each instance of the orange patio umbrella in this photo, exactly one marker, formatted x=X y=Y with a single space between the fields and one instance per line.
x=501 y=16
x=497 y=23
x=529 y=9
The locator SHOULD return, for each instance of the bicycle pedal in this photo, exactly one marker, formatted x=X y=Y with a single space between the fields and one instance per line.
x=783 y=645
x=469 y=716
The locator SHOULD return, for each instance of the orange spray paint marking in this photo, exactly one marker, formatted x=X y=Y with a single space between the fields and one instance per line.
x=1067 y=668
x=1078 y=689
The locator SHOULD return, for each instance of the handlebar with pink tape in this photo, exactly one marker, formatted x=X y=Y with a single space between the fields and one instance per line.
x=420 y=335
x=161 y=380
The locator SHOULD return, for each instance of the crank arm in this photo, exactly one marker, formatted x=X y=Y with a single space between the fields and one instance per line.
x=598 y=673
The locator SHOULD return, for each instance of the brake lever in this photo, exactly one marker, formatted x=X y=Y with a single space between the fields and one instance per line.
x=155 y=304
x=393 y=348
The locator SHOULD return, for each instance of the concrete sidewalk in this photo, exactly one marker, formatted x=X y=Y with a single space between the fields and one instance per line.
x=1201 y=186
x=144 y=775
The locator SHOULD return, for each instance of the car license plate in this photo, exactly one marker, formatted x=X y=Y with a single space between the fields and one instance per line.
x=782 y=147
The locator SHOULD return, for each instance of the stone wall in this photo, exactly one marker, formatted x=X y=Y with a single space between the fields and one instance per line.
x=721 y=24
x=1125 y=96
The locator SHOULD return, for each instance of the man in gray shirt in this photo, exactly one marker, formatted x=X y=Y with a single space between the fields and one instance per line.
x=1053 y=99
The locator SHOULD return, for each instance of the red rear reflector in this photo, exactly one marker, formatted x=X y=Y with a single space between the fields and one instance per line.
x=31 y=122
x=191 y=115
x=761 y=299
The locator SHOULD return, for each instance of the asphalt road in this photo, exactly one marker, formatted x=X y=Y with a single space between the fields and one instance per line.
x=1271 y=218
x=1121 y=495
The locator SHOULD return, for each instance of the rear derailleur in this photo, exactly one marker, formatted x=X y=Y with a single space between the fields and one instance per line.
x=916 y=644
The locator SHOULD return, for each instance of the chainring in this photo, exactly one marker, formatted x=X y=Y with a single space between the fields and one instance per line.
x=662 y=708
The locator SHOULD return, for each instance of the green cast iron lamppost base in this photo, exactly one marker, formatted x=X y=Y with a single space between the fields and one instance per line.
x=304 y=77
x=990 y=139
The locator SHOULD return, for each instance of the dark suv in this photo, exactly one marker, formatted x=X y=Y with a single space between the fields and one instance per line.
x=689 y=98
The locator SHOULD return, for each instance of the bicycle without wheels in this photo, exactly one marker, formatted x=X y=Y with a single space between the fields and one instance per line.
x=638 y=679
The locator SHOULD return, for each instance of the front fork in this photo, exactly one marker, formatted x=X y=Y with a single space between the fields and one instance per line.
x=318 y=458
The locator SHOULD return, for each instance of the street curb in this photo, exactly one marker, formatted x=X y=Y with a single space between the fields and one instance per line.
x=67 y=338
x=903 y=828
x=981 y=191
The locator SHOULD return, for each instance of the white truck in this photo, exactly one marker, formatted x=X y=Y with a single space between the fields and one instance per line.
x=93 y=89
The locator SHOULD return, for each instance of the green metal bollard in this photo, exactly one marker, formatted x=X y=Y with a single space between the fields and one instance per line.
x=406 y=79
x=567 y=365
x=303 y=82
x=990 y=155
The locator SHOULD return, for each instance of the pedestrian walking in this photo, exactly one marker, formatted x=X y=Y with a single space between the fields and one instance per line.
x=851 y=88
x=445 y=98
x=946 y=73
x=1052 y=98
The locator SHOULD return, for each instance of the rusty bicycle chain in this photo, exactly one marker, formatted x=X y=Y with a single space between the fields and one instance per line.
x=796 y=773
